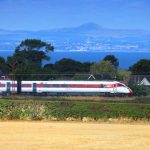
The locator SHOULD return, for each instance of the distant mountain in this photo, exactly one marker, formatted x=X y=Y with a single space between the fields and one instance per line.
x=89 y=28
x=84 y=28
x=95 y=29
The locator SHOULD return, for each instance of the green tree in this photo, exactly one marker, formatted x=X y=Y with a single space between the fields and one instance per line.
x=113 y=60
x=142 y=67
x=67 y=69
x=49 y=72
x=124 y=76
x=104 y=68
x=139 y=90
x=28 y=56
x=3 y=67
x=68 y=66
x=86 y=66
x=2 y=60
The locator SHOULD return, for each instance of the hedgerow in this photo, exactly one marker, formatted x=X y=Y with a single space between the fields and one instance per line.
x=46 y=110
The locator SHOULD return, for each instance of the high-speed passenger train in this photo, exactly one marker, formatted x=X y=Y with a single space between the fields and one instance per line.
x=66 y=87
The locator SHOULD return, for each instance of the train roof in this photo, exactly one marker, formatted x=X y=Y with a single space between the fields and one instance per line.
x=67 y=81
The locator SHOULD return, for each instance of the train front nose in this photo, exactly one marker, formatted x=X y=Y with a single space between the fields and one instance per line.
x=130 y=92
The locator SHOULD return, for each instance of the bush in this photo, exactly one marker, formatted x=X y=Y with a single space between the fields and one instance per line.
x=140 y=90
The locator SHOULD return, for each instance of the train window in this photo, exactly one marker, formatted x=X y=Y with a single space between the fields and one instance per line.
x=51 y=85
x=46 y=85
x=109 y=86
x=55 y=85
x=120 y=85
x=64 y=85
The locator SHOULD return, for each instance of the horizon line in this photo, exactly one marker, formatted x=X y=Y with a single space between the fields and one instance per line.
x=66 y=27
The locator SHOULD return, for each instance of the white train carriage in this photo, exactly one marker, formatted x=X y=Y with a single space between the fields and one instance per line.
x=7 y=86
x=67 y=87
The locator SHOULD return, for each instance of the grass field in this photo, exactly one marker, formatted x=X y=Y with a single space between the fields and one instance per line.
x=20 y=135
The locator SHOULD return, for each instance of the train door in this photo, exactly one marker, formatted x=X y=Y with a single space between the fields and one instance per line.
x=8 y=86
x=115 y=88
x=19 y=87
x=34 y=87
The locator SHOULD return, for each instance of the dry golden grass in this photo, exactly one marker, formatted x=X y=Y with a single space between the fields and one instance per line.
x=73 y=136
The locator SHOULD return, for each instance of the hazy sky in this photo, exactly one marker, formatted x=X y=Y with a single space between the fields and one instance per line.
x=47 y=14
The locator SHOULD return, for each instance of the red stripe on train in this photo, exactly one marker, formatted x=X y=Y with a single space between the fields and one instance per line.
x=2 y=85
x=83 y=86
x=26 y=85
